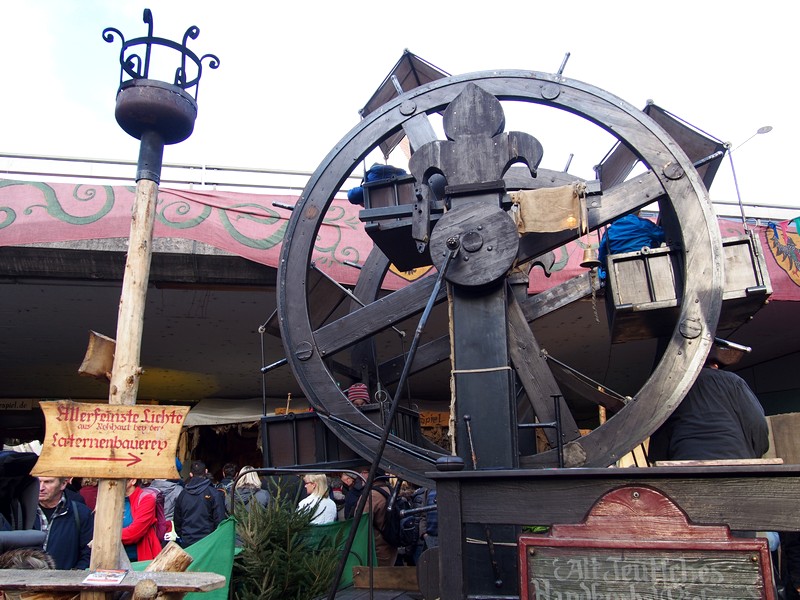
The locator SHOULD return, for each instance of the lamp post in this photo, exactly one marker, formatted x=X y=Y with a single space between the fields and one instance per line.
x=759 y=131
x=157 y=113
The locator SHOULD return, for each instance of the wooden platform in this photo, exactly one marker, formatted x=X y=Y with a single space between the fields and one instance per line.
x=364 y=594
x=39 y=580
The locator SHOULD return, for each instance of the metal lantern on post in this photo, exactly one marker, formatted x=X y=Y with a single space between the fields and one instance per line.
x=157 y=113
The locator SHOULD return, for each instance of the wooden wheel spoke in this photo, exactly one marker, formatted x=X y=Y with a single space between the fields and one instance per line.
x=619 y=200
x=419 y=130
x=535 y=376
x=375 y=317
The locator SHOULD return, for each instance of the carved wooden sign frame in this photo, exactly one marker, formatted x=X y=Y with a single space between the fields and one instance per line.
x=636 y=543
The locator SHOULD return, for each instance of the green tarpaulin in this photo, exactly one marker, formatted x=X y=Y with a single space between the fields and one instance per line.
x=322 y=536
x=212 y=554
x=215 y=552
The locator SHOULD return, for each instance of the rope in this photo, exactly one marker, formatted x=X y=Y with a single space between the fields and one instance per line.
x=486 y=370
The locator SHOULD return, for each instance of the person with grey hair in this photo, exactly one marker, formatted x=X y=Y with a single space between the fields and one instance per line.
x=26 y=558
x=68 y=525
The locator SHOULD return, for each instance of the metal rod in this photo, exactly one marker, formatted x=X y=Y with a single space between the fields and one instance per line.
x=563 y=64
x=738 y=194
x=348 y=293
x=498 y=582
x=559 y=441
x=453 y=245
x=275 y=365
x=569 y=162
x=375 y=436
x=467 y=423
x=587 y=379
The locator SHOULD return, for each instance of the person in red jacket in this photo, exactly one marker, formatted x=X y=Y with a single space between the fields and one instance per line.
x=139 y=523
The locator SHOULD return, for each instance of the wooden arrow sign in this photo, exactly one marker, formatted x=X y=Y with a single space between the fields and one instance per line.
x=110 y=441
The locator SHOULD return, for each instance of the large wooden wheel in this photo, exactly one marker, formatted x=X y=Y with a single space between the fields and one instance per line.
x=671 y=181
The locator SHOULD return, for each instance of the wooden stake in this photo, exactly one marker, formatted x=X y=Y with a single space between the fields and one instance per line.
x=126 y=371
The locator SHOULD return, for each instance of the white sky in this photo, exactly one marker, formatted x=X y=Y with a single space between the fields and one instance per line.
x=294 y=74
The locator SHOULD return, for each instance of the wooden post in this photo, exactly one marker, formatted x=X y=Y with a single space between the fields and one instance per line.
x=126 y=371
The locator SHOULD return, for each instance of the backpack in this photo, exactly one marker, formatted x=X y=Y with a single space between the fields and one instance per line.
x=398 y=531
x=162 y=525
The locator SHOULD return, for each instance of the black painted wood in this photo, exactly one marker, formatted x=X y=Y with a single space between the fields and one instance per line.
x=671 y=181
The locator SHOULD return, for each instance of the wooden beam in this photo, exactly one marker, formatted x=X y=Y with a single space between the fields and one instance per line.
x=127 y=370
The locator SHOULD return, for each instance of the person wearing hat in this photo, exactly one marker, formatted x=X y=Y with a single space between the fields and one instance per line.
x=719 y=418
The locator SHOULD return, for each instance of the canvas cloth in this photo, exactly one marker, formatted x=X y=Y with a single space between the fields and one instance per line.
x=549 y=209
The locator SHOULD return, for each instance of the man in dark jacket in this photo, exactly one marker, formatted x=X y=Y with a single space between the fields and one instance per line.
x=200 y=507
x=352 y=488
x=719 y=418
x=68 y=525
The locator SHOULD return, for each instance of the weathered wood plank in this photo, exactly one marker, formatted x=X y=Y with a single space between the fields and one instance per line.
x=452 y=573
x=376 y=316
x=761 y=498
x=55 y=581
x=386 y=578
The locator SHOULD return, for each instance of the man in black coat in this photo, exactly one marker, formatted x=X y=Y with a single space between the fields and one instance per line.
x=200 y=507
x=719 y=418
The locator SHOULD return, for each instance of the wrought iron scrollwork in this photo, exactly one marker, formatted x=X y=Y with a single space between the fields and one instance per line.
x=136 y=67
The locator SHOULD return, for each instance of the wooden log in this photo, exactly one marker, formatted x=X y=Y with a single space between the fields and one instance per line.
x=145 y=590
x=126 y=370
x=172 y=558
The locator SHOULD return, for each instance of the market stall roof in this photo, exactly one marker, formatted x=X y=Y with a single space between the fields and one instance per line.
x=703 y=149
x=218 y=411
x=411 y=71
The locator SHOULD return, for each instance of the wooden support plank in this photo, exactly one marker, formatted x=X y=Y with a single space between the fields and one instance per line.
x=719 y=462
x=755 y=497
x=452 y=564
x=386 y=578
x=66 y=581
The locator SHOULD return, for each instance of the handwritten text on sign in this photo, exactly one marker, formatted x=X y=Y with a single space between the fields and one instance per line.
x=633 y=574
x=102 y=440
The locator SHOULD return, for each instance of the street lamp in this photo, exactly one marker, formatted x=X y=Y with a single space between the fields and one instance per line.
x=759 y=131
x=157 y=113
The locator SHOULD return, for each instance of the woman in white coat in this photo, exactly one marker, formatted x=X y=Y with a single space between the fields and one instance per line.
x=324 y=508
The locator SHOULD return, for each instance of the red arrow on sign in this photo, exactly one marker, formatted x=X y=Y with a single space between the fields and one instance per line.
x=131 y=461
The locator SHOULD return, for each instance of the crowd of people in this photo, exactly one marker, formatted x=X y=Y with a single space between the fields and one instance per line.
x=158 y=511
x=718 y=418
